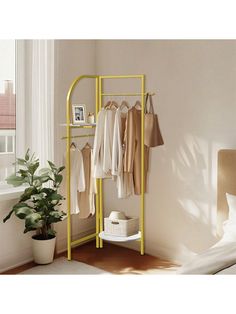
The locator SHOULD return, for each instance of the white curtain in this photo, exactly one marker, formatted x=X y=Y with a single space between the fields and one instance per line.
x=39 y=102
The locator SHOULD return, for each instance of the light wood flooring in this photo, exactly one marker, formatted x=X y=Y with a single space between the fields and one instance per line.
x=114 y=259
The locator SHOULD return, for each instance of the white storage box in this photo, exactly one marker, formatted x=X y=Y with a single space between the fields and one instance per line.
x=121 y=227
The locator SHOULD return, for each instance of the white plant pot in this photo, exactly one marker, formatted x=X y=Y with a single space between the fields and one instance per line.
x=43 y=250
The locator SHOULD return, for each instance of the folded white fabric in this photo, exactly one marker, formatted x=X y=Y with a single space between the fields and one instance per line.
x=211 y=261
x=231 y=200
x=220 y=255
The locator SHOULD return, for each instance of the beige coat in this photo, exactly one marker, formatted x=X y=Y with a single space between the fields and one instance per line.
x=86 y=199
x=77 y=180
x=132 y=154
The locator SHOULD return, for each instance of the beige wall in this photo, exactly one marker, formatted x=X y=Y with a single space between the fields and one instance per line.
x=72 y=58
x=195 y=101
x=15 y=246
x=195 y=86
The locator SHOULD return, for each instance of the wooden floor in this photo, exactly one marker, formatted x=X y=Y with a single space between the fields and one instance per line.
x=114 y=259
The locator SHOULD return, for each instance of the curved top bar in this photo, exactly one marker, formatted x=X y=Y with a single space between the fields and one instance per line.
x=121 y=76
x=75 y=82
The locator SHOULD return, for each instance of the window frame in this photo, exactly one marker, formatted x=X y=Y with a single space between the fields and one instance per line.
x=10 y=192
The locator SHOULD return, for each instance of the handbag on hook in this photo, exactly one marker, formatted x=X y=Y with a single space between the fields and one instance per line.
x=152 y=133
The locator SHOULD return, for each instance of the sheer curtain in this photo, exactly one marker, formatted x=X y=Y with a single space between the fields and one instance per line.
x=39 y=98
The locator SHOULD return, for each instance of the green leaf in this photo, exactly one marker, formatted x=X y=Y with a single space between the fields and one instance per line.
x=37 y=197
x=51 y=232
x=28 y=192
x=8 y=216
x=20 y=162
x=32 y=219
x=51 y=164
x=60 y=169
x=58 y=178
x=45 y=171
x=23 y=173
x=37 y=183
x=55 y=214
x=18 y=205
x=27 y=156
x=48 y=191
x=44 y=179
x=34 y=226
x=33 y=167
x=15 y=180
x=56 y=196
x=22 y=212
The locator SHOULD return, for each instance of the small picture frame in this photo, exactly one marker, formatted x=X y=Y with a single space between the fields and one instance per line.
x=78 y=114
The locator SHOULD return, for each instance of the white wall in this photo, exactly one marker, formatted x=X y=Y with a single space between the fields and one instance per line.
x=195 y=101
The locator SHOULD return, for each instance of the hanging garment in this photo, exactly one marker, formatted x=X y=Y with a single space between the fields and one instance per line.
x=103 y=143
x=108 y=140
x=86 y=199
x=132 y=154
x=77 y=180
x=124 y=180
x=98 y=150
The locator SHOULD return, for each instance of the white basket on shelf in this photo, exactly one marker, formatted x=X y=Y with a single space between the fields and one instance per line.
x=118 y=224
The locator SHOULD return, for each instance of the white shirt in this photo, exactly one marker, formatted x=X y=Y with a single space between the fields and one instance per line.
x=102 y=151
x=108 y=140
x=77 y=179
x=98 y=145
x=124 y=180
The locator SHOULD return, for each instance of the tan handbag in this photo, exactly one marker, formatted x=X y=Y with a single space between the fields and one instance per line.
x=152 y=133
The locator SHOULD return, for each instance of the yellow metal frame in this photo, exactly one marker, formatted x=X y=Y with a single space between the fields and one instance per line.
x=71 y=243
x=99 y=182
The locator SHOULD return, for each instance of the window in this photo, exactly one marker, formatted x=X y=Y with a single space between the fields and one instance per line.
x=7 y=108
x=7 y=142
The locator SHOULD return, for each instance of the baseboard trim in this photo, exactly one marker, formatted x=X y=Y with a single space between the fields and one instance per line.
x=62 y=242
x=26 y=261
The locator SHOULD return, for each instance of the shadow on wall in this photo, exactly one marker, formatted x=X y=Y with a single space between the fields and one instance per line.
x=188 y=209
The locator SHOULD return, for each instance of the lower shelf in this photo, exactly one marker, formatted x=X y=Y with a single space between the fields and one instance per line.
x=113 y=238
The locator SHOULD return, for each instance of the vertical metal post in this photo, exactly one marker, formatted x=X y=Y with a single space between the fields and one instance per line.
x=100 y=180
x=142 y=167
x=97 y=181
x=68 y=135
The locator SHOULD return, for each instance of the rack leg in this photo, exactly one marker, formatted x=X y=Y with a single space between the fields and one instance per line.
x=97 y=215
x=142 y=168
x=101 y=212
x=69 y=237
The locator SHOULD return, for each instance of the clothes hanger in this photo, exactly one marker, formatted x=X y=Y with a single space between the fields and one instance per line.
x=114 y=103
x=72 y=145
x=107 y=105
x=124 y=104
x=137 y=104
x=87 y=145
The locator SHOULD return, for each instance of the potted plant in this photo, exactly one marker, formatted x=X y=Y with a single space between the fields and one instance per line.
x=39 y=203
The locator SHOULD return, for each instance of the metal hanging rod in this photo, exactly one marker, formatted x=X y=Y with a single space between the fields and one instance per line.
x=77 y=136
x=140 y=76
x=129 y=94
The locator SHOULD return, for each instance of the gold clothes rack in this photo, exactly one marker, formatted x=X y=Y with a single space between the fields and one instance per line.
x=99 y=79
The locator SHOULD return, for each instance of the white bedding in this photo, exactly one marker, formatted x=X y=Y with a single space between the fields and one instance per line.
x=231 y=270
x=217 y=259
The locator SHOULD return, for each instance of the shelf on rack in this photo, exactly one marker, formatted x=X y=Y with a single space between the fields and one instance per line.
x=113 y=238
x=84 y=125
